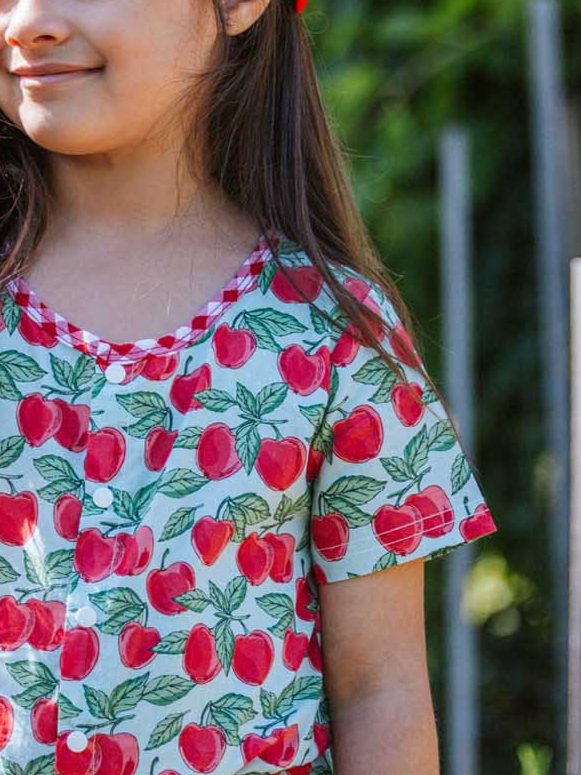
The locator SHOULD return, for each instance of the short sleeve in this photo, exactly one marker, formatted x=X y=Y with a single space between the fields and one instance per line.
x=391 y=482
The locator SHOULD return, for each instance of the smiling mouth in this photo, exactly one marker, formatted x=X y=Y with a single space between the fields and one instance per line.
x=54 y=78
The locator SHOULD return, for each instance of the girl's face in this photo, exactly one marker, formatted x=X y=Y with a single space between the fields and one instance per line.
x=144 y=54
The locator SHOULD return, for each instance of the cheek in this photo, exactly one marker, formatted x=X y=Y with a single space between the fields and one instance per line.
x=87 y=117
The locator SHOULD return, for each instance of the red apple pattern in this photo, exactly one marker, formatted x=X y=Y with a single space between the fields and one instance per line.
x=194 y=503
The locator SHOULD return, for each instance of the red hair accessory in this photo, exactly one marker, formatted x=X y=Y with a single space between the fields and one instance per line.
x=300 y=5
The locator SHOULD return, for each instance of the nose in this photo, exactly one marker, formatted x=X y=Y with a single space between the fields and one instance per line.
x=35 y=23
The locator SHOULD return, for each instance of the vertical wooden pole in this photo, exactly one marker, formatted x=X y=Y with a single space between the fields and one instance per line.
x=462 y=718
x=548 y=129
x=574 y=716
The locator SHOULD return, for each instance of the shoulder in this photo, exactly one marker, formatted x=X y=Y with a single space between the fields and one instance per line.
x=326 y=323
x=293 y=284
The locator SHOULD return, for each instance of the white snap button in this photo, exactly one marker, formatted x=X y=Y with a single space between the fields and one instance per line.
x=86 y=616
x=115 y=372
x=77 y=741
x=103 y=496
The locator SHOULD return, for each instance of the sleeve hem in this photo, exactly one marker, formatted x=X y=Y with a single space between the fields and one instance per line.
x=483 y=524
x=429 y=547
x=426 y=555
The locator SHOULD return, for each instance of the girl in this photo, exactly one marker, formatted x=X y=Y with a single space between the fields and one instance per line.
x=198 y=527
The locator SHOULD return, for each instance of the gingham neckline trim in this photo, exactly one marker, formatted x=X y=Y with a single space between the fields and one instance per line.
x=55 y=327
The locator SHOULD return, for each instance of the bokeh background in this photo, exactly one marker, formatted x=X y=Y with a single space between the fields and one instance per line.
x=394 y=74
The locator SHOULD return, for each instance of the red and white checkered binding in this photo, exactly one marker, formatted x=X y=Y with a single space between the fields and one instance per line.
x=105 y=351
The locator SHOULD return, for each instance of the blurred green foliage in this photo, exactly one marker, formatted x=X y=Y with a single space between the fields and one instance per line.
x=393 y=75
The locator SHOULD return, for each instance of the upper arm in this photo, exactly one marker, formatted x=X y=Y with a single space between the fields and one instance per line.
x=373 y=633
x=392 y=486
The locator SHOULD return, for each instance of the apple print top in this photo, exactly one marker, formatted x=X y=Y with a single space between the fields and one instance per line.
x=169 y=508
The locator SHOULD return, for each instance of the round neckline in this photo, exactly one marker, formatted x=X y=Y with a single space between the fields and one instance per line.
x=55 y=327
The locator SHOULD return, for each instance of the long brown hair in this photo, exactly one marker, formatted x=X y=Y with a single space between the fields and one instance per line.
x=271 y=149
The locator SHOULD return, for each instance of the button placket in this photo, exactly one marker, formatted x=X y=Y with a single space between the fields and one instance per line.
x=106 y=503
x=83 y=614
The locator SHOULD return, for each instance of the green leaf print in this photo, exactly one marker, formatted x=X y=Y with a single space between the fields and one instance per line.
x=271 y=397
x=279 y=629
x=218 y=598
x=194 y=599
x=43 y=765
x=83 y=371
x=126 y=695
x=11 y=312
x=461 y=473
x=122 y=605
x=21 y=367
x=52 y=467
x=98 y=385
x=230 y=712
x=27 y=698
x=303 y=688
x=278 y=323
x=45 y=571
x=358 y=489
x=188 y=438
x=276 y=604
x=235 y=592
x=441 y=436
x=57 y=488
x=59 y=564
x=243 y=510
x=67 y=709
x=10 y=450
x=398 y=468
x=181 y=481
x=245 y=400
x=281 y=607
x=165 y=730
x=98 y=703
x=8 y=389
x=417 y=450
x=7 y=572
x=376 y=372
x=148 y=407
x=165 y=689
x=141 y=403
x=268 y=702
x=215 y=400
x=29 y=673
x=181 y=521
x=62 y=372
x=323 y=326
x=247 y=444
x=264 y=338
x=224 y=643
x=173 y=642
x=265 y=277
x=142 y=427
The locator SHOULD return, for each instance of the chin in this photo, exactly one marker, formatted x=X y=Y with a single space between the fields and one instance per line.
x=64 y=137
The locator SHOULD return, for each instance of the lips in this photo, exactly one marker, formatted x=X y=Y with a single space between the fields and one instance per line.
x=46 y=79
x=56 y=72
x=49 y=68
